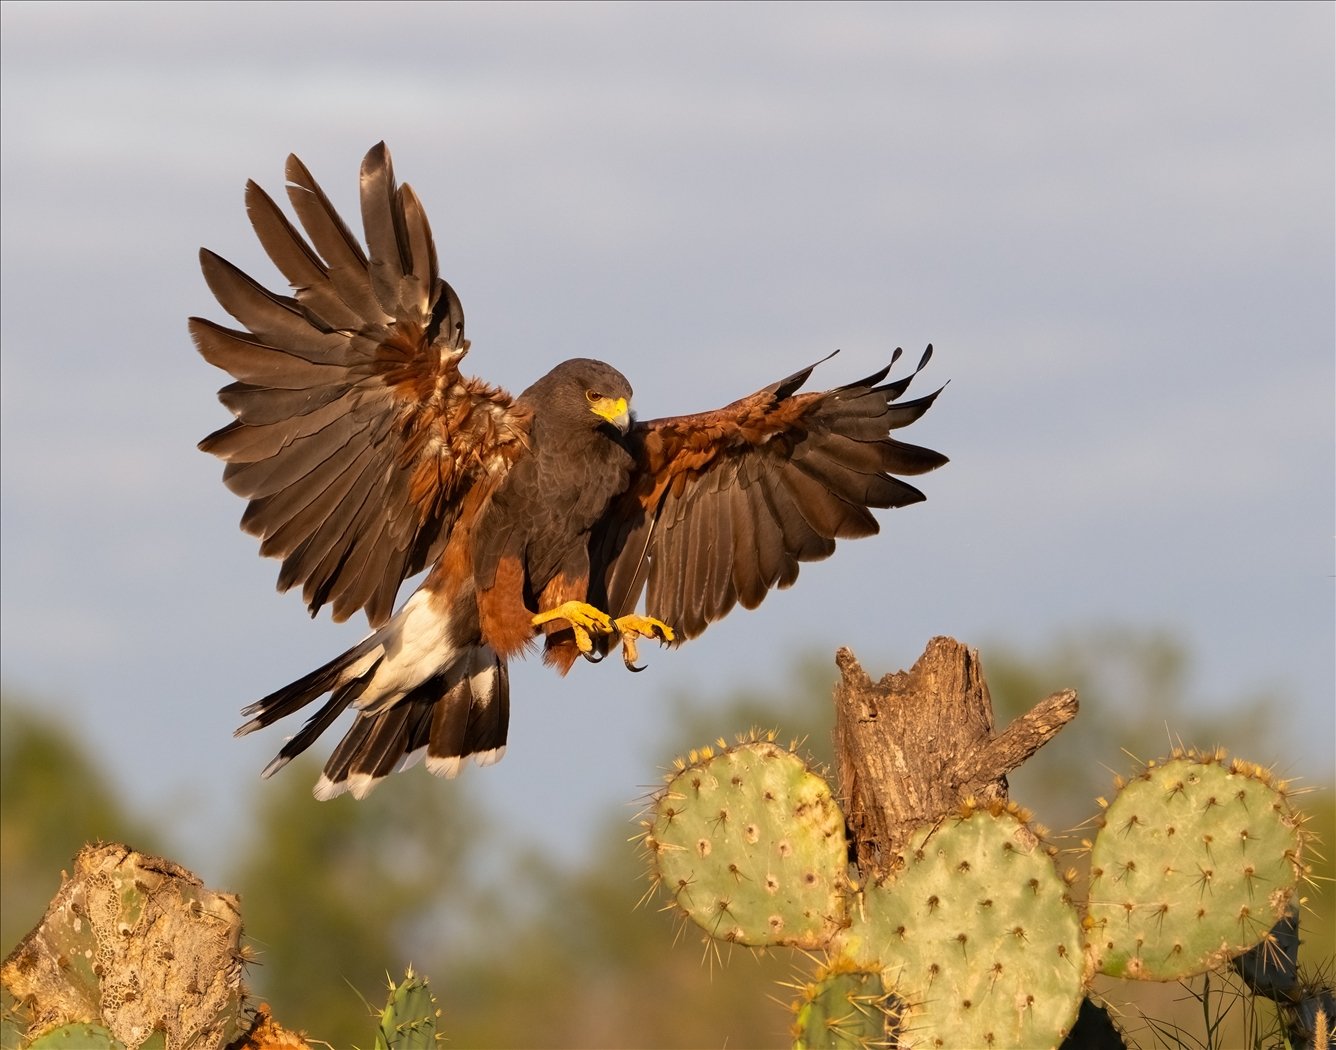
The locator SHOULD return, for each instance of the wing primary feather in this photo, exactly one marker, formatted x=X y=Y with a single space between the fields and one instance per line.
x=260 y=405
x=304 y=270
x=330 y=236
x=249 y=360
x=284 y=518
x=421 y=251
x=777 y=548
x=790 y=384
x=748 y=581
x=895 y=389
x=722 y=595
x=877 y=376
x=802 y=541
x=387 y=239
x=308 y=463
x=276 y=320
x=240 y=442
x=822 y=510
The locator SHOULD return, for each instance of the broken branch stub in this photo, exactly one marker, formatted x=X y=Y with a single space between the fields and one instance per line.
x=910 y=748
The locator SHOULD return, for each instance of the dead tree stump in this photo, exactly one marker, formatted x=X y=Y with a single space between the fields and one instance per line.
x=910 y=748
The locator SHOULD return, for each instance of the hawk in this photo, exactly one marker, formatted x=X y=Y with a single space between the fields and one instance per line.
x=367 y=456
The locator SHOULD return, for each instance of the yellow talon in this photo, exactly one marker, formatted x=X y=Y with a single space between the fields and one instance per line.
x=585 y=621
x=632 y=626
x=645 y=626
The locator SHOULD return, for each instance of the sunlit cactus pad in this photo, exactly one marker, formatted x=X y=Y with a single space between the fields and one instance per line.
x=1197 y=858
x=975 y=935
x=750 y=844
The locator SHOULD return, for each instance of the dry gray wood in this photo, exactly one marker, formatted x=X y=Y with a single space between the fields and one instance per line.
x=911 y=748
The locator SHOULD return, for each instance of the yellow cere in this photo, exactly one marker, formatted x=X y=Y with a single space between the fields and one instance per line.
x=609 y=408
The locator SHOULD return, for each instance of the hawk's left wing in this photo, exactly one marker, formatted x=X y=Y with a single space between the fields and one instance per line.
x=726 y=504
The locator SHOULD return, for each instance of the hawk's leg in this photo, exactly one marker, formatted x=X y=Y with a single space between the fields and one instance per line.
x=585 y=621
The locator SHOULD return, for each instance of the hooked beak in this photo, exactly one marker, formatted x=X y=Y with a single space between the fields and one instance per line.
x=614 y=410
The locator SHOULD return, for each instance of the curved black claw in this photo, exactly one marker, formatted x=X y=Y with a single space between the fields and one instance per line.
x=593 y=657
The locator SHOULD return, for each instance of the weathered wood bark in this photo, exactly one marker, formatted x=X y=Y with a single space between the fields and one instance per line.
x=910 y=748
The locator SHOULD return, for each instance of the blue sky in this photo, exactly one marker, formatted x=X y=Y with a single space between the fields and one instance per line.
x=1115 y=222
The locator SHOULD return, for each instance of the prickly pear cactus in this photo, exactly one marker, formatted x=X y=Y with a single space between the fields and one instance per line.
x=844 y=1007
x=408 y=1021
x=975 y=938
x=976 y=934
x=1195 y=862
x=139 y=944
x=751 y=845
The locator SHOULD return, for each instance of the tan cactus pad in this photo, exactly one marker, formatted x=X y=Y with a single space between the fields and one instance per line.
x=975 y=935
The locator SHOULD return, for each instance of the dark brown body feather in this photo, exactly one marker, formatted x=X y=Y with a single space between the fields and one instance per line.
x=367 y=456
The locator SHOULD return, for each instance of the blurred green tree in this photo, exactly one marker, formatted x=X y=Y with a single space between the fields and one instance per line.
x=339 y=894
x=54 y=799
x=588 y=968
x=591 y=959
x=1137 y=703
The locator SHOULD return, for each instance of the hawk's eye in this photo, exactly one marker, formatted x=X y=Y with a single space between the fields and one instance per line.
x=593 y=396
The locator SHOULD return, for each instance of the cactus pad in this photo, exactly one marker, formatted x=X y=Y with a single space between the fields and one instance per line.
x=408 y=1021
x=844 y=1008
x=1195 y=862
x=751 y=845
x=975 y=934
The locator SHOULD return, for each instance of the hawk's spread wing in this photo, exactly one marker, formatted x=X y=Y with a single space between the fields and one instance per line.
x=355 y=433
x=725 y=504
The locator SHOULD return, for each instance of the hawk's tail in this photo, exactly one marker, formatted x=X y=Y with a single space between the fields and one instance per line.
x=461 y=713
x=455 y=707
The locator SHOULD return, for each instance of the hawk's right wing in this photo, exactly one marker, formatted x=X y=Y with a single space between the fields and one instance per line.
x=355 y=435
